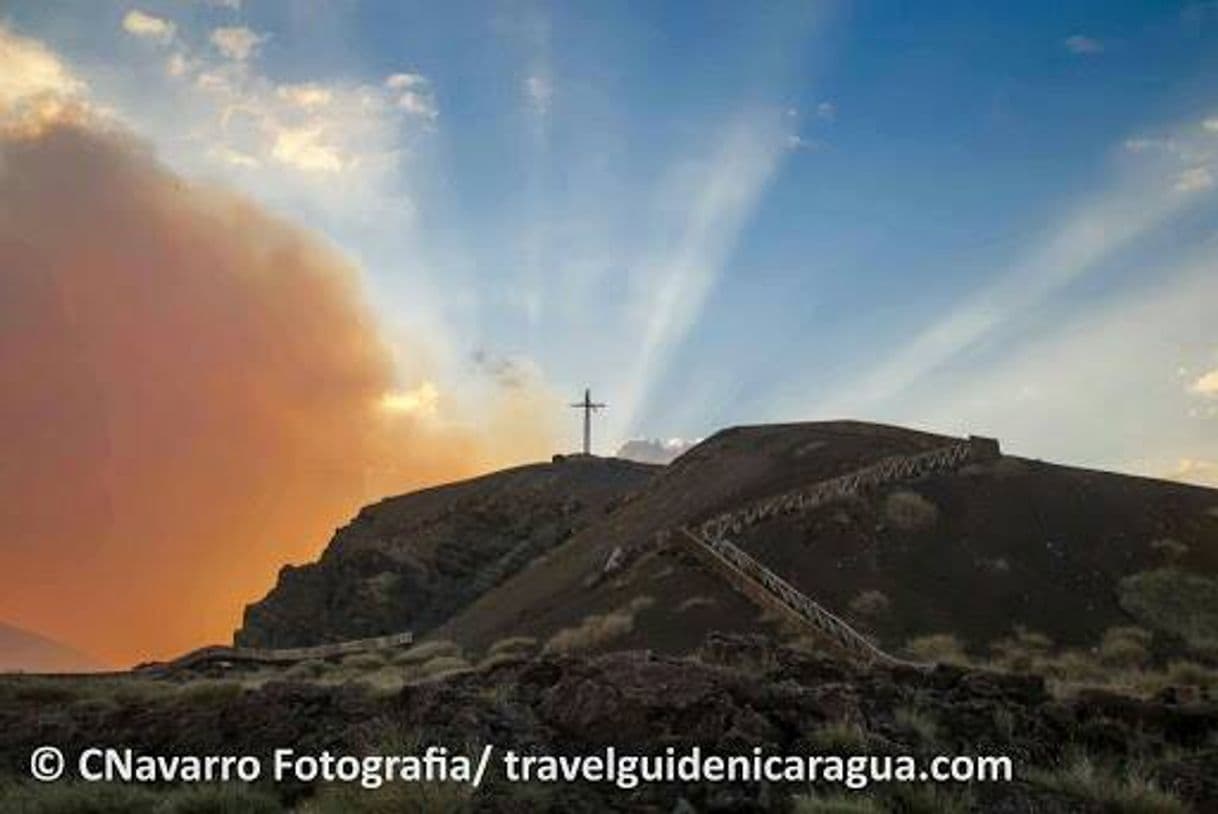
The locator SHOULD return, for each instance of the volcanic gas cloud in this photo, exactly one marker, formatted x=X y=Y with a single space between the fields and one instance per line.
x=191 y=395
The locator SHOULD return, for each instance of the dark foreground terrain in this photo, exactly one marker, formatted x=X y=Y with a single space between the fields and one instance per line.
x=1091 y=750
x=1064 y=618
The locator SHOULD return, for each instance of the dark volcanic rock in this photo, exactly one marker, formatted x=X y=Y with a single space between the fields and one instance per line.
x=739 y=694
x=410 y=562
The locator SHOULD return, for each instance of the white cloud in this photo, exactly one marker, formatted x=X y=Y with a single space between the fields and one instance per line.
x=412 y=93
x=29 y=71
x=1100 y=227
x=826 y=111
x=147 y=26
x=234 y=157
x=1191 y=470
x=655 y=450
x=1082 y=44
x=1194 y=179
x=798 y=142
x=1210 y=124
x=236 y=42
x=306 y=95
x=1206 y=385
x=305 y=148
x=539 y=92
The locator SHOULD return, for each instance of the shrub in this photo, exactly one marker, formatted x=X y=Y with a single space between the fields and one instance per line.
x=364 y=661
x=513 y=644
x=427 y=651
x=923 y=724
x=210 y=691
x=1025 y=651
x=870 y=603
x=1125 y=647
x=309 y=668
x=1128 y=791
x=909 y=511
x=443 y=665
x=840 y=737
x=220 y=799
x=1192 y=674
x=1076 y=667
x=1172 y=551
x=695 y=602
x=937 y=647
x=815 y=803
x=598 y=629
x=1176 y=601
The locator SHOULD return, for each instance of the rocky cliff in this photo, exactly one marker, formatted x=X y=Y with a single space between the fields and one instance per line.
x=409 y=562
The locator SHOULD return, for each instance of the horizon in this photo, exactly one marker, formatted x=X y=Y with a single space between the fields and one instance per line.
x=264 y=262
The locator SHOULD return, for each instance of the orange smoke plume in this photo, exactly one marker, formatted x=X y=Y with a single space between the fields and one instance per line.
x=191 y=395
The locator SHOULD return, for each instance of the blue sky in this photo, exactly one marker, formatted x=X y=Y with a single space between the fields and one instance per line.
x=992 y=218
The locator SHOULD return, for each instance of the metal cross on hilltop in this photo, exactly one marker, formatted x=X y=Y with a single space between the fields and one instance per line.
x=589 y=407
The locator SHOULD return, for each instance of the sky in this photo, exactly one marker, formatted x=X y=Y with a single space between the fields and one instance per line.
x=970 y=218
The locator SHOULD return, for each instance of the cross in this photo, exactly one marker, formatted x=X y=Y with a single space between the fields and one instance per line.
x=589 y=407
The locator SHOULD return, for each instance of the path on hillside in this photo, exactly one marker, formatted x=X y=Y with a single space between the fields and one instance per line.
x=770 y=591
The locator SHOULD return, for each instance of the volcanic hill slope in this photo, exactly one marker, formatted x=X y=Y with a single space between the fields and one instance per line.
x=977 y=552
x=410 y=562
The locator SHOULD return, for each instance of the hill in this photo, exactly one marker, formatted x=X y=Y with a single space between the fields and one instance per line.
x=23 y=651
x=410 y=562
x=580 y=554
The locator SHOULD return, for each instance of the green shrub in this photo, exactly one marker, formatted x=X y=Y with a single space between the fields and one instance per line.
x=307 y=669
x=1125 y=647
x=443 y=665
x=210 y=691
x=1191 y=674
x=364 y=661
x=870 y=604
x=909 y=511
x=427 y=651
x=840 y=737
x=513 y=644
x=815 y=803
x=1176 y=601
x=922 y=723
x=937 y=647
x=1124 y=792
x=598 y=629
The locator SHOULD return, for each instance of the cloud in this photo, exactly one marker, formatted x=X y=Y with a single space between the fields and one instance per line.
x=826 y=111
x=1210 y=124
x=236 y=42
x=655 y=450
x=539 y=93
x=305 y=148
x=306 y=95
x=1191 y=470
x=1194 y=179
x=1082 y=44
x=798 y=142
x=147 y=26
x=1097 y=228
x=1206 y=385
x=412 y=93
x=196 y=392
x=30 y=72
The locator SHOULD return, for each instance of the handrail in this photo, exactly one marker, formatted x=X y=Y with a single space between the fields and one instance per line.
x=792 y=599
x=806 y=498
x=710 y=536
x=283 y=654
